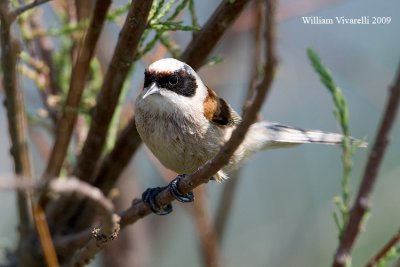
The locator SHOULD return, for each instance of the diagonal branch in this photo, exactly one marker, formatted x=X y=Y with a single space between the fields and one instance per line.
x=78 y=78
x=78 y=189
x=361 y=204
x=384 y=250
x=107 y=101
x=230 y=188
x=204 y=41
x=108 y=97
x=209 y=245
x=81 y=189
x=203 y=174
x=27 y=7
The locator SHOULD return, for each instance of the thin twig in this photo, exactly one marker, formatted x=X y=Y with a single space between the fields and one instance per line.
x=15 y=110
x=14 y=104
x=106 y=103
x=205 y=231
x=228 y=192
x=206 y=39
x=225 y=205
x=27 y=7
x=108 y=97
x=110 y=221
x=361 y=204
x=41 y=47
x=78 y=78
x=202 y=175
x=81 y=189
x=77 y=240
x=132 y=248
x=384 y=250
x=44 y=234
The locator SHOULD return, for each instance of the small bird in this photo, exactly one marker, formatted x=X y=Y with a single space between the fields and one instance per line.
x=184 y=123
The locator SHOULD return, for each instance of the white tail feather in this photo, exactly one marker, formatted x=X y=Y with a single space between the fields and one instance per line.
x=281 y=135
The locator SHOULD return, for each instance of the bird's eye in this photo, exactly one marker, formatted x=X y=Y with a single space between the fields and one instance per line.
x=173 y=80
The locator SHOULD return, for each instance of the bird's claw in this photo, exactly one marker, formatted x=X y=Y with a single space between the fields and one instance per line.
x=174 y=190
x=149 y=196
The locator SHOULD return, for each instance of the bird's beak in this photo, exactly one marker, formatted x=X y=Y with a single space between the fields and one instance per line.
x=152 y=90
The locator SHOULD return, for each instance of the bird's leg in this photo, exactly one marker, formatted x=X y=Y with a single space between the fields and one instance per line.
x=149 y=196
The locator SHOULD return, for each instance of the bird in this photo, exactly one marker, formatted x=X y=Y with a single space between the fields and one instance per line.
x=184 y=123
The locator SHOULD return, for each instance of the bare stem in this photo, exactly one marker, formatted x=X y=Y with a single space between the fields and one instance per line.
x=361 y=204
x=108 y=97
x=384 y=250
x=205 y=231
x=225 y=205
x=27 y=7
x=16 y=119
x=229 y=190
x=78 y=78
x=204 y=41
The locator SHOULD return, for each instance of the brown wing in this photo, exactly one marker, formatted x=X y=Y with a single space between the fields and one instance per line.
x=218 y=111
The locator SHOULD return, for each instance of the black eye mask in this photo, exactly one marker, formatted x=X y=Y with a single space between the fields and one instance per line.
x=180 y=82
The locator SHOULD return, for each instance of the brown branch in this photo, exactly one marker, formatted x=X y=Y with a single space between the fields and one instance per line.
x=27 y=7
x=202 y=175
x=112 y=166
x=14 y=104
x=44 y=46
x=73 y=241
x=41 y=46
x=15 y=109
x=44 y=235
x=78 y=78
x=111 y=88
x=110 y=221
x=107 y=101
x=205 y=231
x=384 y=250
x=361 y=204
x=78 y=189
x=229 y=190
x=82 y=189
x=132 y=248
x=205 y=40
x=225 y=205
x=114 y=163
x=258 y=9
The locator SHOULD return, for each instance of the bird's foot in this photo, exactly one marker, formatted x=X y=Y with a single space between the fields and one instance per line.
x=174 y=190
x=149 y=196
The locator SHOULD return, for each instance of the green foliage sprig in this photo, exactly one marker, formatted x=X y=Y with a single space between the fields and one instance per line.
x=162 y=22
x=341 y=113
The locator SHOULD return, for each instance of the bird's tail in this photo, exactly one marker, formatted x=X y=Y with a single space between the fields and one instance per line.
x=277 y=135
x=267 y=135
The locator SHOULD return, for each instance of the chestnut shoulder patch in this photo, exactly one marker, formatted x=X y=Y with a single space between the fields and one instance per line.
x=218 y=111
